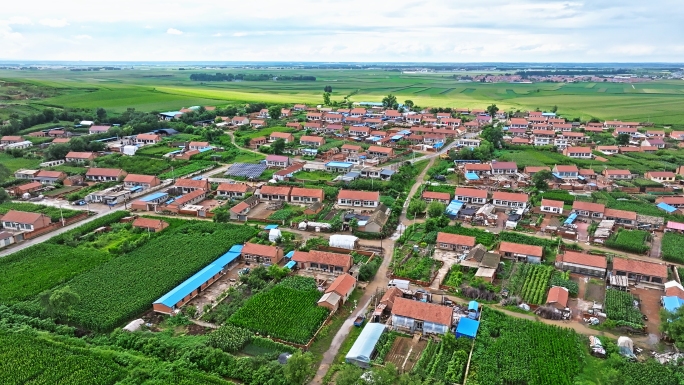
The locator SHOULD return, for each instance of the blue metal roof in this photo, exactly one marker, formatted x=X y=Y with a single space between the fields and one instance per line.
x=473 y=305
x=289 y=254
x=136 y=188
x=556 y=175
x=405 y=132
x=571 y=219
x=365 y=343
x=236 y=249
x=548 y=114
x=270 y=227
x=438 y=145
x=467 y=327
x=666 y=207
x=387 y=172
x=171 y=298
x=471 y=176
x=397 y=137
x=374 y=104
x=672 y=303
x=339 y=164
x=170 y=113
x=205 y=149
x=154 y=196
x=353 y=174
x=374 y=138
x=290 y=264
x=197 y=177
x=454 y=207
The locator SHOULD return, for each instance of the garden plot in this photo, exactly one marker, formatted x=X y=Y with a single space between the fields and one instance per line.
x=405 y=352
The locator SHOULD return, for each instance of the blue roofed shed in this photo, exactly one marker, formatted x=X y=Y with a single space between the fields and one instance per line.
x=453 y=208
x=192 y=286
x=471 y=176
x=672 y=303
x=571 y=219
x=290 y=264
x=362 y=350
x=270 y=227
x=156 y=197
x=467 y=328
x=289 y=254
x=664 y=206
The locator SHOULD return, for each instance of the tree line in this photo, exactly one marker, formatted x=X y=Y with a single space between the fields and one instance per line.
x=222 y=77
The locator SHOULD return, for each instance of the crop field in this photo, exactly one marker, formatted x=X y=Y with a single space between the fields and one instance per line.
x=530 y=282
x=109 y=296
x=631 y=241
x=186 y=169
x=287 y=311
x=672 y=246
x=159 y=89
x=14 y=164
x=517 y=351
x=620 y=307
x=54 y=213
x=444 y=361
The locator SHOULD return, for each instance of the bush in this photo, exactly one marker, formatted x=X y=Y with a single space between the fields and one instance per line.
x=229 y=338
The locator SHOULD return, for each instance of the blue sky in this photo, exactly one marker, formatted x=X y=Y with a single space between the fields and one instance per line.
x=351 y=30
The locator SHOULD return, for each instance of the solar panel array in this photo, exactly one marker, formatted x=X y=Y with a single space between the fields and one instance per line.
x=247 y=170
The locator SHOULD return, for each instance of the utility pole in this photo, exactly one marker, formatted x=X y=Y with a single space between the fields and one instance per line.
x=60 y=214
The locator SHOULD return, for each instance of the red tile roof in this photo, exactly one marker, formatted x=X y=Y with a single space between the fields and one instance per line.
x=507 y=196
x=110 y=172
x=558 y=295
x=309 y=138
x=198 y=144
x=148 y=137
x=504 y=165
x=139 y=178
x=79 y=155
x=617 y=172
x=308 y=192
x=570 y=168
x=614 y=213
x=191 y=183
x=49 y=174
x=674 y=291
x=25 y=217
x=359 y=195
x=455 y=239
x=578 y=150
x=552 y=203
x=470 y=192
x=148 y=223
x=477 y=167
x=342 y=285
x=283 y=135
x=12 y=138
x=383 y=150
x=583 y=259
x=275 y=190
x=661 y=174
x=436 y=195
x=238 y=208
x=351 y=147
x=188 y=197
x=424 y=311
x=517 y=248
x=588 y=206
x=325 y=257
x=233 y=187
x=640 y=267
x=262 y=250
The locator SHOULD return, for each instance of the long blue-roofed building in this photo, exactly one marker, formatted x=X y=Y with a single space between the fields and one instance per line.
x=191 y=287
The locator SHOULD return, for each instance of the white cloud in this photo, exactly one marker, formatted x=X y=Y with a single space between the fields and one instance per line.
x=217 y=34
x=83 y=37
x=18 y=20
x=55 y=23
x=148 y=27
x=173 y=31
x=240 y=34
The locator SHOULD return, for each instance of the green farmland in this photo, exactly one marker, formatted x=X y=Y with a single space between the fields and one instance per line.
x=168 y=89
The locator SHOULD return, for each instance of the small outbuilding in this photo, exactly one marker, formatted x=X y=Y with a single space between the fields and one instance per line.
x=558 y=297
x=467 y=328
x=361 y=352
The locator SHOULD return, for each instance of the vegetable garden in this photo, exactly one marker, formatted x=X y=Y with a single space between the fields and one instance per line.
x=54 y=213
x=530 y=282
x=620 y=307
x=517 y=351
x=287 y=311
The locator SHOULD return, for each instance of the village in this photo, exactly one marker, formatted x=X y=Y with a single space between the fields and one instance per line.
x=410 y=225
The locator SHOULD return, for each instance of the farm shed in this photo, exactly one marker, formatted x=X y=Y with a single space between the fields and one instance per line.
x=671 y=304
x=362 y=350
x=421 y=316
x=344 y=241
x=329 y=300
x=558 y=297
x=192 y=286
x=467 y=328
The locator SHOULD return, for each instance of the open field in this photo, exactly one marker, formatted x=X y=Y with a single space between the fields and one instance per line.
x=167 y=89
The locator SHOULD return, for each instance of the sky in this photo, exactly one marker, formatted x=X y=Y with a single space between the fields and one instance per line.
x=338 y=31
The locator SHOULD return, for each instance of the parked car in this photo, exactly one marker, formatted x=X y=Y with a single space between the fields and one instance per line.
x=79 y=203
x=441 y=178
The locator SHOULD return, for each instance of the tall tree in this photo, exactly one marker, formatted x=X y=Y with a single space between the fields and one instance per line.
x=390 y=101
x=623 y=139
x=326 y=98
x=274 y=112
x=59 y=302
x=278 y=146
x=493 y=135
x=435 y=209
x=299 y=368
x=492 y=110
x=416 y=206
x=540 y=179
x=409 y=104
x=101 y=114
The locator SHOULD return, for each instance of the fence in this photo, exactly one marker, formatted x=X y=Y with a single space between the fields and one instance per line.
x=54 y=225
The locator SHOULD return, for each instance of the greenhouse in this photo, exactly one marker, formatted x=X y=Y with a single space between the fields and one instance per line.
x=361 y=352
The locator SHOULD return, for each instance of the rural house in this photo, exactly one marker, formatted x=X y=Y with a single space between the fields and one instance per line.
x=507 y=168
x=363 y=199
x=565 y=172
x=190 y=185
x=558 y=297
x=49 y=177
x=24 y=221
x=152 y=225
x=588 y=209
x=661 y=176
x=581 y=263
x=454 y=242
x=430 y=196
x=312 y=141
x=551 y=206
x=640 y=271
x=380 y=152
x=232 y=190
x=94 y=130
x=617 y=174
x=105 y=174
x=521 y=253
x=509 y=200
x=338 y=292
x=415 y=316
x=471 y=195
x=79 y=157
x=279 y=161
x=306 y=195
x=286 y=136
x=317 y=260
x=621 y=217
x=144 y=139
x=275 y=193
x=144 y=181
x=264 y=254
x=578 y=152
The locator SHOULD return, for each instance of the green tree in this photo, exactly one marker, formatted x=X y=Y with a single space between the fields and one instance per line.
x=540 y=179
x=623 y=139
x=221 y=215
x=327 y=89
x=326 y=98
x=57 y=151
x=416 y=206
x=409 y=104
x=493 y=135
x=274 y=112
x=101 y=114
x=278 y=146
x=435 y=209
x=386 y=375
x=492 y=110
x=554 y=109
x=390 y=101
x=299 y=368
x=353 y=224
x=77 y=144
x=4 y=174
x=350 y=375
x=246 y=141
x=59 y=302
